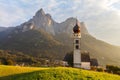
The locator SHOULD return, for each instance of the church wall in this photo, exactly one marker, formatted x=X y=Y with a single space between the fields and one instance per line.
x=77 y=58
x=85 y=65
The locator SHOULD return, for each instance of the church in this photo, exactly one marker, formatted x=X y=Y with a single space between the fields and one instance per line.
x=80 y=60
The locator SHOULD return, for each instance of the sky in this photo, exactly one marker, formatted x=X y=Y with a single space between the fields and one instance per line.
x=102 y=17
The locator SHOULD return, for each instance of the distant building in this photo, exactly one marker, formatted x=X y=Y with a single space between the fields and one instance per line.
x=60 y=63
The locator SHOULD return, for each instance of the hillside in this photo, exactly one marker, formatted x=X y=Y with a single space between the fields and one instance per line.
x=11 y=70
x=104 y=52
x=2 y=28
x=58 y=73
x=35 y=43
x=43 y=37
x=8 y=57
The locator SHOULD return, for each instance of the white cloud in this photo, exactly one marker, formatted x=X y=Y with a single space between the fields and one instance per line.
x=9 y=14
x=16 y=12
x=99 y=15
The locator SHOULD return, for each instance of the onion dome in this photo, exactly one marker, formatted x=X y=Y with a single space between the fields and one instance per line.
x=76 y=28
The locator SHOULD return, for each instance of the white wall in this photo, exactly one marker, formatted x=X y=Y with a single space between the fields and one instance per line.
x=85 y=65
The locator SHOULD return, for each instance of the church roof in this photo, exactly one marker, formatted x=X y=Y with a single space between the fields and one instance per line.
x=94 y=62
x=85 y=57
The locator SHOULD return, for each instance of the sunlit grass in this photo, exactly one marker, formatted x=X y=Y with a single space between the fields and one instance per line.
x=11 y=70
x=52 y=73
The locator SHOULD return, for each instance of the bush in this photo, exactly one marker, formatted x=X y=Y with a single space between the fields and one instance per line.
x=113 y=69
x=93 y=68
x=100 y=69
x=10 y=62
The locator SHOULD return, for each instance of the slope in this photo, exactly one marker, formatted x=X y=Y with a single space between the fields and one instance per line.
x=104 y=52
x=2 y=28
x=58 y=73
x=35 y=43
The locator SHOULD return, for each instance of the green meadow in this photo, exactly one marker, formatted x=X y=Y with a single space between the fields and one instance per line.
x=52 y=73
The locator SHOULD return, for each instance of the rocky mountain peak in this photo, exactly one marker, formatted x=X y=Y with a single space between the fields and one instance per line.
x=40 y=12
x=49 y=16
x=44 y=21
x=68 y=24
x=41 y=19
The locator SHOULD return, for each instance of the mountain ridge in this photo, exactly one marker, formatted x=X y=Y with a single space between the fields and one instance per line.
x=56 y=39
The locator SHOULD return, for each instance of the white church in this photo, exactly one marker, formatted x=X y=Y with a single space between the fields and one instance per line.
x=80 y=60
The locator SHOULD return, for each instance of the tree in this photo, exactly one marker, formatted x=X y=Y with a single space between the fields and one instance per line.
x=100 y=69
x=0 y=62
x=69 y=58
x=10 y=62
x=113 y=69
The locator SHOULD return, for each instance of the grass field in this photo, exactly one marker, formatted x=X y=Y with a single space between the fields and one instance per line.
x=58 y=73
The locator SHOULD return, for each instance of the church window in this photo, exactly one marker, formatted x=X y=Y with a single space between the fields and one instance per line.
x=77 y=41
x=77 y=47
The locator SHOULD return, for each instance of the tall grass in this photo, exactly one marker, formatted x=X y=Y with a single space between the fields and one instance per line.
x=11 y=70
x=58 y=73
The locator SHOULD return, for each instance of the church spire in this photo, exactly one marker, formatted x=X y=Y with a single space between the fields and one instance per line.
x=76 y=28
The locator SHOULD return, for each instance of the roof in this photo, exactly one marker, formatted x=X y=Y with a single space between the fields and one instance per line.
x=93 y=62
x=76 y=28
x=85 y=57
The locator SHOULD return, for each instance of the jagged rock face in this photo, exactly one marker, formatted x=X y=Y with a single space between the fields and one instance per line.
x=67 y=27
x=45 y=22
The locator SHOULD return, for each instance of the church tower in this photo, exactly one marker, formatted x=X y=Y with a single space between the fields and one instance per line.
x=76 y=43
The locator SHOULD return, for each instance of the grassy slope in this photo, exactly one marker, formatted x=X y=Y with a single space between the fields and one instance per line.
x=59 y=73
x=36 y=43
x=12 y=70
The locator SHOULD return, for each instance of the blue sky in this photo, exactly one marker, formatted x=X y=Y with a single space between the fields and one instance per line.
x=102 y=17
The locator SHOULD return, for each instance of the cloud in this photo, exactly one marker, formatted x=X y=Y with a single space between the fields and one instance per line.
x=16 y=12
x=9 y=14
x=101 y=16
x=102 y=20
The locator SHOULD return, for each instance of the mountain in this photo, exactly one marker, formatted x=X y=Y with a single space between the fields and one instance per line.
x=104 y=52
x=35 y=43
x=2 y=28
x=5 y=31
x=42 y=36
